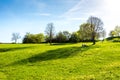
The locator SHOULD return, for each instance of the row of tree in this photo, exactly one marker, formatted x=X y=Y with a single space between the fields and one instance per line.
x=89 y=31
x=33 y=38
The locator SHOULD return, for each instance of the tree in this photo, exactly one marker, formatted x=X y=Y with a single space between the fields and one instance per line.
x=28 y=38
x=67 y=35
x=84 y=32
x=74 y=37
x=63 y=37
x=117 y=30
x=96 y=27
x=50 y=32
x=60 y=37
x=39 y=37
x=15 y=37
x=112 y=33
x=33 y=38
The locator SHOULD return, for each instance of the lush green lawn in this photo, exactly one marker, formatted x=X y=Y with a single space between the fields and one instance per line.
x=60 y=62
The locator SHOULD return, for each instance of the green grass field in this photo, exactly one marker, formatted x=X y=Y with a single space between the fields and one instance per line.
x=60 y=61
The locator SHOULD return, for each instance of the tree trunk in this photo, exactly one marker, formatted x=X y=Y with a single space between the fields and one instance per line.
x=93 y=38
x=93 y=41
x=50 y=41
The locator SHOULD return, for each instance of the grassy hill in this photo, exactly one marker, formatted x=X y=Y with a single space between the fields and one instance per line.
x=60 y=61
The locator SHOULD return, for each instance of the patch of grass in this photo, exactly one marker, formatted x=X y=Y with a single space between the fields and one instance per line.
x=60 y=62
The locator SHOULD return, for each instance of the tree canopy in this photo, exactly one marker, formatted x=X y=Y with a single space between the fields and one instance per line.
x=33 y=38
x=95 y=28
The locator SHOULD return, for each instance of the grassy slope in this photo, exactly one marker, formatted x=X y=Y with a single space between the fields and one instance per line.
x=58 y=62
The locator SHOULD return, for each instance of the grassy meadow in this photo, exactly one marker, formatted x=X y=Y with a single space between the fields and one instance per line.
x=60 y=61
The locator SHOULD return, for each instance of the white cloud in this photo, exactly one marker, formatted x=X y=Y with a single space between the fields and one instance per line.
x=81 y=10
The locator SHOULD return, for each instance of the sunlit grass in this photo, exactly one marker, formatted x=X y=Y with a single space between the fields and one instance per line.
x=60 y=62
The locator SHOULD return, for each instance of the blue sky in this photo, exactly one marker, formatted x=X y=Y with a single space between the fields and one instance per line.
x=33 y=15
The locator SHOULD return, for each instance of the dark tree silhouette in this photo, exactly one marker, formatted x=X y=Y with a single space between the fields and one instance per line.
x=96 y=27
x=50 y=32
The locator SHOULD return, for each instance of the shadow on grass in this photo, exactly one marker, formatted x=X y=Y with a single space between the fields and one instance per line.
x=59 y=43
x=12 y=49
x=62 y=43
x=52 y=55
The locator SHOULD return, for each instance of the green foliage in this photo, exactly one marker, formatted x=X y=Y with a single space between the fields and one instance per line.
x=67 y=35
x=33 y=38
x=112 y=33
x=74 y=37
x=60 y=62
x=62 y=37
x=92 y=30
x=115 y=32
x=113 y=39
x=84 y=32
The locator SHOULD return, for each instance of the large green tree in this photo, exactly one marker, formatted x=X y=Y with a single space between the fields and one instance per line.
x=33 y=38
x=84 y=32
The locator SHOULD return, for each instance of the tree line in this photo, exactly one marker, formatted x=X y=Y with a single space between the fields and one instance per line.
x=90 y=31
x=115 y=32
x=114 y=35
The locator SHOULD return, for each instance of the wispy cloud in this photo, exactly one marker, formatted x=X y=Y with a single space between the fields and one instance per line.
x=36 y=4
x=107 y=10
x=82 y=10
x=71 y=12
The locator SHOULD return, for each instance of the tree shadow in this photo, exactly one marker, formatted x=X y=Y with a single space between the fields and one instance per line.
x=59 y=43
x=60 y=53
x=62 y=44
x=13 y=49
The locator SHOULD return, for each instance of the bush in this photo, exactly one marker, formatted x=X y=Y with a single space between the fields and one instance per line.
x=33 y=38
x=113 y=39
